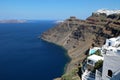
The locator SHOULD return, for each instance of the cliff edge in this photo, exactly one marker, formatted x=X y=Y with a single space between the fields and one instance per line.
x=77 y=36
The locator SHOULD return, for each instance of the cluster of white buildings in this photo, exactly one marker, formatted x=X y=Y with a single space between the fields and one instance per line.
x=107 y=12
x=110 y=69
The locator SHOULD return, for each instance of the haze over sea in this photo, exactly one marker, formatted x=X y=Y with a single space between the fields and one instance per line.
x=23 y=56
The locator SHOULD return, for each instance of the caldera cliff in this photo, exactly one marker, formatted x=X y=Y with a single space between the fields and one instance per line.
x=77 y=36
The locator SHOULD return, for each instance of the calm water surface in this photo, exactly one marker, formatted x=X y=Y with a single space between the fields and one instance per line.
x=23 y=56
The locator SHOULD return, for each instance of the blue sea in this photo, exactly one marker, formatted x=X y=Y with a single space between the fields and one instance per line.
x=24 y=56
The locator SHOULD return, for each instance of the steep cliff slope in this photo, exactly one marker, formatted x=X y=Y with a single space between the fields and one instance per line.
x=77 y=36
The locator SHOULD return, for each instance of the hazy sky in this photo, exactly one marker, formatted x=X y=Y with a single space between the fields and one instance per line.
x=52 y=9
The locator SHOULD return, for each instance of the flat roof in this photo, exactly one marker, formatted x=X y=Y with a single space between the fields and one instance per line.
x=95 y=58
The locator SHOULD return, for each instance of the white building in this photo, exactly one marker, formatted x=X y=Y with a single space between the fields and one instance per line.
x=107 y=12
x=111 y=64
x=91 y=60
x=114 y=42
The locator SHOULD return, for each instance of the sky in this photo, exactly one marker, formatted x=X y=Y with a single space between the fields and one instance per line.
x=53 y=9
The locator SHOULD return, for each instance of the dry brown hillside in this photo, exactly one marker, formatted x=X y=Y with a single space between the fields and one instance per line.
x=77 y=36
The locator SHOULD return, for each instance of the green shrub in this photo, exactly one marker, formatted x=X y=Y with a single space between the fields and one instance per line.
x=98 y=52
x=98 y=65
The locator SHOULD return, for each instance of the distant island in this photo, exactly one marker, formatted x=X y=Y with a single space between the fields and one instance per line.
x=13 y=21
x=78 y=36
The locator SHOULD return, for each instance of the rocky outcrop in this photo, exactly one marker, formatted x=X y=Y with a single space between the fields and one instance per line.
x=77 y=36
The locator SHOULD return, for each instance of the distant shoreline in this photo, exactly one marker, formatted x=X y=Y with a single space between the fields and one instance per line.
x=13 y=21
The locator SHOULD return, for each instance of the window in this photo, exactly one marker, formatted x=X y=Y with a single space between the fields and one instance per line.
x=118 y=51
x=90 y=62
x=109 y=44
x=110 y=73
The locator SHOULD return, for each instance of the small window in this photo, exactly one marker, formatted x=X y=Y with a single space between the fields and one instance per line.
x=109 y=44
x=90 y=62
x=110 y=73
x=118 y=51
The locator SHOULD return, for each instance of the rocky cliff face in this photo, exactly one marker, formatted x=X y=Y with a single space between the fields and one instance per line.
x=77 y=36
